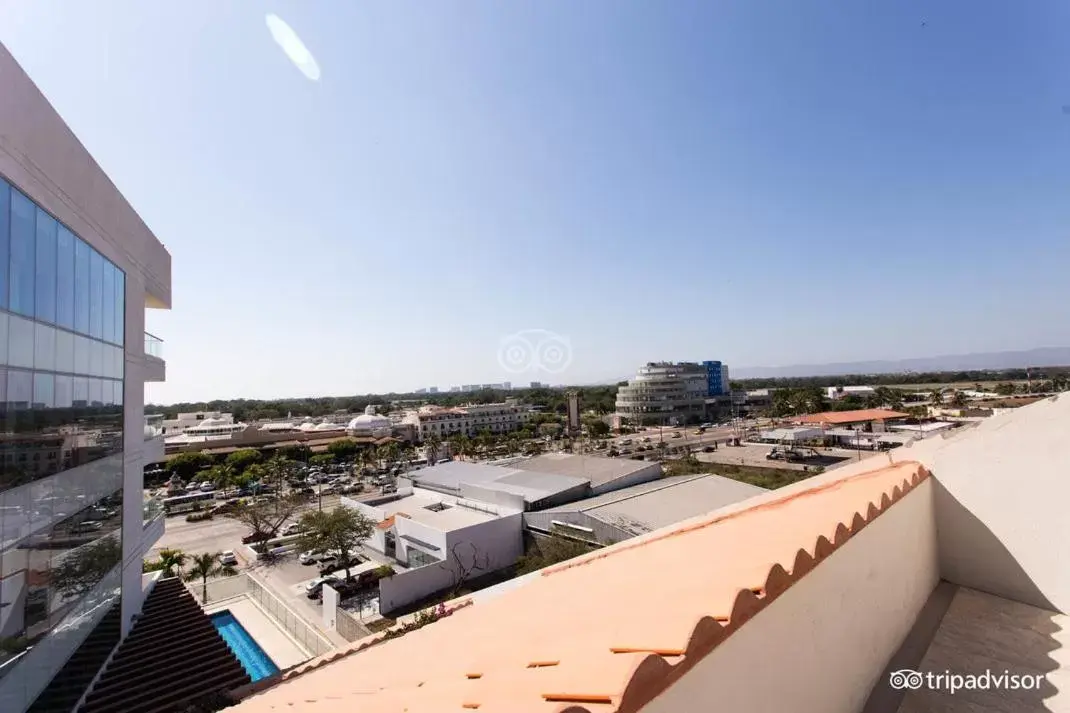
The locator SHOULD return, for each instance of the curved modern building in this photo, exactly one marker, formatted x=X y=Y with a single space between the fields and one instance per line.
x=668 y=393
x=78 y=270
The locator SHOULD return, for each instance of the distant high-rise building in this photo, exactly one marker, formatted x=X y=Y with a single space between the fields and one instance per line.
x=537 y=385
x=716 y=378
x=455 y=389
x=672 y=393
x=420 y=391
x=432 y=390
x=508 y=385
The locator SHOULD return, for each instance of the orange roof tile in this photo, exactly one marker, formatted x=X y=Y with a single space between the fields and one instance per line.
x=833 y=417
x=389 y=522
x=571 y=639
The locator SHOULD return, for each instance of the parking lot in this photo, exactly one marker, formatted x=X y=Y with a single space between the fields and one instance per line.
x=754 y=455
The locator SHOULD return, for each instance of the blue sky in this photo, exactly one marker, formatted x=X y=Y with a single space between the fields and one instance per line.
x=765 y=183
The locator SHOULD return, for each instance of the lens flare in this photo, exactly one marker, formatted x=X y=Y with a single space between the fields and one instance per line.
x=294 y=48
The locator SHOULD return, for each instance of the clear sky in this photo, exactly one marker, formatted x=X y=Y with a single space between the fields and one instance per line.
x=764 y=183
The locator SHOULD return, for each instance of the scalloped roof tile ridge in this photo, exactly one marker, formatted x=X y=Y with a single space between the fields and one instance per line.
x=571 y=641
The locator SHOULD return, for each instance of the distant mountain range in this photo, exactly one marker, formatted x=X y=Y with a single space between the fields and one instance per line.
x=1048 y=356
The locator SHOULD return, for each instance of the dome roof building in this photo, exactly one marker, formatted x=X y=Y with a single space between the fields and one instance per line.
x=370 y=424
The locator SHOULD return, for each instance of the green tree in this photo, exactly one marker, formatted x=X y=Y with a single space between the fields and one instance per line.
x=434 y=445
x=340 y=531
x=597 y=428
x=390 y=453
x=265 y=517
x=321 y=459
x=461 y=445
x=172 y=561
x=206 y=566
x=189 y=464
x=242 y=459
x=550 y=429
x=369 y=457
x=343 y=449
x=958 y=399
x=543 y=552
x=936 y=397
x=299 y=452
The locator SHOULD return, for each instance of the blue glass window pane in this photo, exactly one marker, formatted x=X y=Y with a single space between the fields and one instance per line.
x=120 y=306
x=21 y=271
x=45 y=304
x=108 y=304
x=5 y=238
x=65 y=278
x=81 y=286
x=44 y=390
x=96 y=295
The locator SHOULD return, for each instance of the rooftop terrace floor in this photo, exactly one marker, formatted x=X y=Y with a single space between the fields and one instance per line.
x=982 y=632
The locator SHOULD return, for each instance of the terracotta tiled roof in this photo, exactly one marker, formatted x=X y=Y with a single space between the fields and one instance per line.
x=389 y=522
x=583 y=636
x=869 y=414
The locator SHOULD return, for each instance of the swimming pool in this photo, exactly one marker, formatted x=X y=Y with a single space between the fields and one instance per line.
x=253 y=659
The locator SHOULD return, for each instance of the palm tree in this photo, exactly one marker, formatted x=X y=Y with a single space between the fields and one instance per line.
x=368 y=458
x=172 y=560
x=206 y=566
x=461 y=445
x=434 y=442
x=936 y=396
x=958 y=399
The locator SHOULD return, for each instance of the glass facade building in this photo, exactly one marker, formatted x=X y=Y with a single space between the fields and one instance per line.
x=62 y=335
x=79 y=271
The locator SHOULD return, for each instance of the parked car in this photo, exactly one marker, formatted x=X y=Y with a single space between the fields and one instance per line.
x=308 y=557
x=228 y=558
x=708 y=449
x=314 y=589
x=255 y=537
x=291 y=529
x=192 y=486
x=677 y=435
x=206 y=486
x=328 y=565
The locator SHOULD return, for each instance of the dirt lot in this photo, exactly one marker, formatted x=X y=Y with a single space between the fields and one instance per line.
x=754 y=455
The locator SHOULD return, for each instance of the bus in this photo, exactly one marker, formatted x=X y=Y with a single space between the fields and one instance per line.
x=185 y=503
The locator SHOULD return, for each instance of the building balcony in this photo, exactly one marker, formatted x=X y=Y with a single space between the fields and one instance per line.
x=153 y=447
x=155 y=367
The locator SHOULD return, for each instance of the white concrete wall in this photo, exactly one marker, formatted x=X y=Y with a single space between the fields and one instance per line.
x=498 y=543
x=1001 y=503
x=407 y=526
x=407 y=587
x=822 y=645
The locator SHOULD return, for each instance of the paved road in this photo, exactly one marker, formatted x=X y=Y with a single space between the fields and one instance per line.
x=215 y=535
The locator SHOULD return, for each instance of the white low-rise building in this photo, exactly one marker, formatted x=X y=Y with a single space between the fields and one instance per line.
x=839 y=392
x=439 y=540
x=468 y=420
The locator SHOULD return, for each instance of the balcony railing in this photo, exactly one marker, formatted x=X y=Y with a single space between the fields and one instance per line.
x=151 y=511
x=153 y=426
x=153 y=346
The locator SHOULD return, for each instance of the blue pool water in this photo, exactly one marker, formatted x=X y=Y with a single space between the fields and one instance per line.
x=253 y=659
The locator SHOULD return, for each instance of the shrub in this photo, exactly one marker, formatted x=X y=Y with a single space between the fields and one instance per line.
x=199 y=516
x=383 y=571
x=153 y=566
